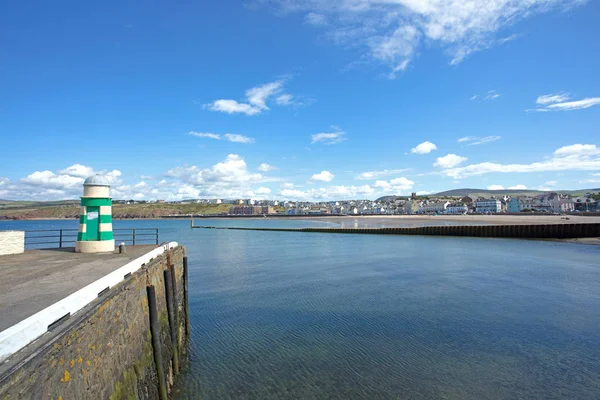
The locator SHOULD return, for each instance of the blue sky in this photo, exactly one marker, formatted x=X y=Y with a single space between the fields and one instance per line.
x=312 y=100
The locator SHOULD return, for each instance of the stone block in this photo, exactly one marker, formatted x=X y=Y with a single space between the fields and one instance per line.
x=12 y=242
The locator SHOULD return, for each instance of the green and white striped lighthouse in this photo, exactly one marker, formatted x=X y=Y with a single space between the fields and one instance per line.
x=95 y=221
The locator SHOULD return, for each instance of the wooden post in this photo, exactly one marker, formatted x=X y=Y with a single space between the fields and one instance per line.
x=185 y=295
x=169 y=298
x=155 y=331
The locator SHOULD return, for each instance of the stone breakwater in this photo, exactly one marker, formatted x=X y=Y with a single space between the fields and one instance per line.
x=129 y=343
x=555 y=231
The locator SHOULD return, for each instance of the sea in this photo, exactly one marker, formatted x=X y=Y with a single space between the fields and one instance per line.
x=292 y=315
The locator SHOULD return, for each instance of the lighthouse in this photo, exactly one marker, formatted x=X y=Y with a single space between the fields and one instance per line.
x=95 y=221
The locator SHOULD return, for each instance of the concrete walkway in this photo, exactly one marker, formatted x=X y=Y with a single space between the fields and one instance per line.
x=36 y=279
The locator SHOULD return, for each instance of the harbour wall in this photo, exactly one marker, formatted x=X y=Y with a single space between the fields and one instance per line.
x=554 y=231
x=130 y=343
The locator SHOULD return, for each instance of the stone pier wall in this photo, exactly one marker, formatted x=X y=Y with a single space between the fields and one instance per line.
x=104 y=351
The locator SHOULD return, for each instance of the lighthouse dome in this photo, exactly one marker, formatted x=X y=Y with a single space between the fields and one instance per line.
x=96 y=180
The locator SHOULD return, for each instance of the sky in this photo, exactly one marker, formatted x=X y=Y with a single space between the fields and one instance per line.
x=313 y=100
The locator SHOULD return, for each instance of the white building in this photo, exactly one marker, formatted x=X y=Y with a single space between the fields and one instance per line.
x=455 y=209
x=488 y=206
x=437 y=207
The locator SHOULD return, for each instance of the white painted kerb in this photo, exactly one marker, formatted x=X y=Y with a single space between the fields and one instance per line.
x=20 y=335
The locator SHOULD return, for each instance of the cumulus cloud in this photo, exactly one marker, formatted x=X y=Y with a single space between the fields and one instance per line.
x=323 y=176
x=378 y=174
x=66 y=183
x=328 y=193
x=77 y=170
x=396 y=185
x=392 y=32
x=495 y=187
x=477 y=140
x=577 y=157
x=559 y=102
x=577 y=149
x=264 y=167
x=232 y=107
x=518 y=187
x=424 y=148
x=232 y=137
x=256 y=100
x=262 y=190
x=329 y=137
x=449 y=161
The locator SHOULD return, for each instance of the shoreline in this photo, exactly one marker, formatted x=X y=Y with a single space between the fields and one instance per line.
x=392 y=220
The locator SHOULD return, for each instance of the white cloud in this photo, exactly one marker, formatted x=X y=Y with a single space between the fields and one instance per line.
x=262 y=190
x=552 y=98
x=392 y=31
x=316 y=19
x=495 y=187
x=232 y=137
x=329 y=137
x=577 y=149
x=500 y=187
x=568 y=158
x=490 y=95
x=378 y=174
x=396 y=185
x=328 y=193
x=284 y=100
x=238 y=138
x=424 y=148
x=208 y=135
x=477 y=140
x=449 y=161
x=575 y=105
x=66 y=183
x=256 y=98
x=77 y=170
x=229 y=178
x=264 y=167
x=551 y=183
x=558 y=102
x=232 y=107
x=323 y=176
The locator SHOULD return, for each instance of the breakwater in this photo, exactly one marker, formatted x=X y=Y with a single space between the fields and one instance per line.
x=128 y=343
x=554 y=231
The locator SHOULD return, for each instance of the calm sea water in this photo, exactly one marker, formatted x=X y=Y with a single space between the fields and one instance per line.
x=278 y=315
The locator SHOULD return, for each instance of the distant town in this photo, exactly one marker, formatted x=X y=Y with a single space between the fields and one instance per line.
x=550 y=202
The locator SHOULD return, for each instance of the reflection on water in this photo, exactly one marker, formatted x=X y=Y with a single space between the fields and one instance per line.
x=279 y=315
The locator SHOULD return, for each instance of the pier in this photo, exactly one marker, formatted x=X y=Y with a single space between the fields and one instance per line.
x=553 y=231
x=89 y=326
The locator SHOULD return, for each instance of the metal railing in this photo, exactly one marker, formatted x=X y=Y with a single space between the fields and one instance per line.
x=48 y=238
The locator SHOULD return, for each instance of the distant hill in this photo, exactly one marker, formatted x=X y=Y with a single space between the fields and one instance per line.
x=489 y=193
x=508 y=192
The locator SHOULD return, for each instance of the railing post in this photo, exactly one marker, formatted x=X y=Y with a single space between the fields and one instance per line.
x=133 y=236
x=60 y=240
x=156 y=236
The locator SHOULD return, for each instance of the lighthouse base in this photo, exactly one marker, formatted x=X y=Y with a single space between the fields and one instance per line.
x=95 y=246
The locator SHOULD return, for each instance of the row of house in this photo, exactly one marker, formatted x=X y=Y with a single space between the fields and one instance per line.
x=548 y=202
